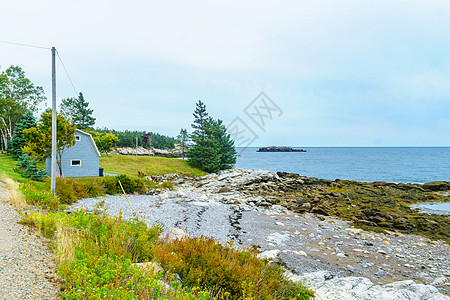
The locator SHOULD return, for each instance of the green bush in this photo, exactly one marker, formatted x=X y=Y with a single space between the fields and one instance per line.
x=39 y=197
x=167 y=185
x=129 y=184
x=110 y=184
x=239 y=274
x=97 y=253
x=27 y=166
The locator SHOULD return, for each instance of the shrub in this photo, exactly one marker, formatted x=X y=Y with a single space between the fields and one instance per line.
x=39 y=197
x=129 y=184
x=65 y=191
x=239 y=274
x=167 y=185
x=27 y=166
x=110 y=184
x=96 y=255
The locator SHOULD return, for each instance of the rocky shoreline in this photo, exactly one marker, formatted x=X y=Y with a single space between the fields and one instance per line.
x=338 y=257
x=141 y=151
x=343 y=228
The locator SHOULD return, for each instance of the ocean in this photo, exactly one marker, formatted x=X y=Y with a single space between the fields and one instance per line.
x=368 y=164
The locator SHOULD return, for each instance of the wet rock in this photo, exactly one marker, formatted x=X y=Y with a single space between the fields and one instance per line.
x=437 y=186
x=224 y=189
x=320 y=210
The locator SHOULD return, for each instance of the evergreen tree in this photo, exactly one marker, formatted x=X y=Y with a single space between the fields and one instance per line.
x=183 y=139
x=27 y=166
x=212 y=149
x=77 y=110
x=227 y=152
x=17 y=142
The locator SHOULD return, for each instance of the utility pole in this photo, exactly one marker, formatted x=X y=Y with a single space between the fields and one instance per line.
x=53 y=170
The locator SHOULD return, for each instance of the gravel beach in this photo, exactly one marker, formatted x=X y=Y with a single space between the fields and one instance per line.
x=302 y=243
x=26 y=265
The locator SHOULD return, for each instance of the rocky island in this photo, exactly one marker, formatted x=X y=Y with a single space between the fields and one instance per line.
x=279 y=149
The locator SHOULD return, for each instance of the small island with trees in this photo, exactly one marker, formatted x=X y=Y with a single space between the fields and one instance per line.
x=279 y=149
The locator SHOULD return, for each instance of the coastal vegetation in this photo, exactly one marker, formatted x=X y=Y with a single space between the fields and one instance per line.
x=212 y=147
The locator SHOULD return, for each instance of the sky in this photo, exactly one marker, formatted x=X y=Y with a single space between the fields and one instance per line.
x=293 y=73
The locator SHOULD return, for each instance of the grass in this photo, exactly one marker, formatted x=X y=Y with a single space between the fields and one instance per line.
x=7 y=165
x=149 y=165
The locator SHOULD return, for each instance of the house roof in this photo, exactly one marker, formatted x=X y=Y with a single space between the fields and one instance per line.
x=92 y=139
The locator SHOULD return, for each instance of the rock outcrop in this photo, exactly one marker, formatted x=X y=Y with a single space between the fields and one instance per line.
x=327 y=287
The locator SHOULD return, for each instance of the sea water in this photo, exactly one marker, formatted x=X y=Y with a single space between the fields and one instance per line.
x=391 y=164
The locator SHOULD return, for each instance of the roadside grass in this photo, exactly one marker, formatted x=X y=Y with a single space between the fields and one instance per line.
x=7 y=165
x=149 y=165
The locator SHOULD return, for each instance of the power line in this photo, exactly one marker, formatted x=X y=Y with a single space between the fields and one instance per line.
x=25 y=45
x=46 y=48
x=67 y=73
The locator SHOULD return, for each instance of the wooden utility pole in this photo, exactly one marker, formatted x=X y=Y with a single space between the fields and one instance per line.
x=53 y=170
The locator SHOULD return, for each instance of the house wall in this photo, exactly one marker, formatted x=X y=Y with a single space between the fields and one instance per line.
x=83 y=150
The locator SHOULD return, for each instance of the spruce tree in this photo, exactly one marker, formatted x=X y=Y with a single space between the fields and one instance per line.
x=17 y=142
x=227 y=152
x=77 y=110
x=212 y=148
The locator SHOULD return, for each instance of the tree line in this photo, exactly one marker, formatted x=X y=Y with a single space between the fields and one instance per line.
x=127 y=138
x=209 y=147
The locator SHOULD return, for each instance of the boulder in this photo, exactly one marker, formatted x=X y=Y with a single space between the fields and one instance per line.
x=175 y=234
x=327 y=287
x=224 y=189
x=437 y=185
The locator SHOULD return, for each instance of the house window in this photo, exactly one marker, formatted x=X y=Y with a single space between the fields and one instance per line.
x=75 y=162
x=77 y=138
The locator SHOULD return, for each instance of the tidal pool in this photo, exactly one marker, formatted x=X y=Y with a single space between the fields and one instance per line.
x=434 y=208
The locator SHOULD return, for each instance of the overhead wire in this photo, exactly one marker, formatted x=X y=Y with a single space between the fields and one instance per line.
x=67 y=73
x=25 y=45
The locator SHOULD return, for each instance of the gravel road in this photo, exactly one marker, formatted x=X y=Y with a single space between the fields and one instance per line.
x=25 y=262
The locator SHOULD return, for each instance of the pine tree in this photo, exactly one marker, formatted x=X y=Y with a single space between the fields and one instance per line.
x=183 y=139
x=17 y=142
x=212 y=149
x=77 y=110
x=227 y=152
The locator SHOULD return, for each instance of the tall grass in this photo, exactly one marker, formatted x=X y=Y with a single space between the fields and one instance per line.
x=16 y=197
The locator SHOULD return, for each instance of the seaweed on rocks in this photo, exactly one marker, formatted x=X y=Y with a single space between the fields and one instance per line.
x=377 y=206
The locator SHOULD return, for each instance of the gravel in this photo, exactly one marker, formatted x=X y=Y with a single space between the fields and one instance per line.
x=26 y=264
x=303 y=243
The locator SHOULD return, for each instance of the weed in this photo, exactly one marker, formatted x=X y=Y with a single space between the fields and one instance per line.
x=203 y=262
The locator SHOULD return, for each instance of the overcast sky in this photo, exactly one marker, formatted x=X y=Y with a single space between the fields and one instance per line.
x=336 y=73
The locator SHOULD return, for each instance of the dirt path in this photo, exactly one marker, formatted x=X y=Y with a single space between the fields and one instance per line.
x=25 y=261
